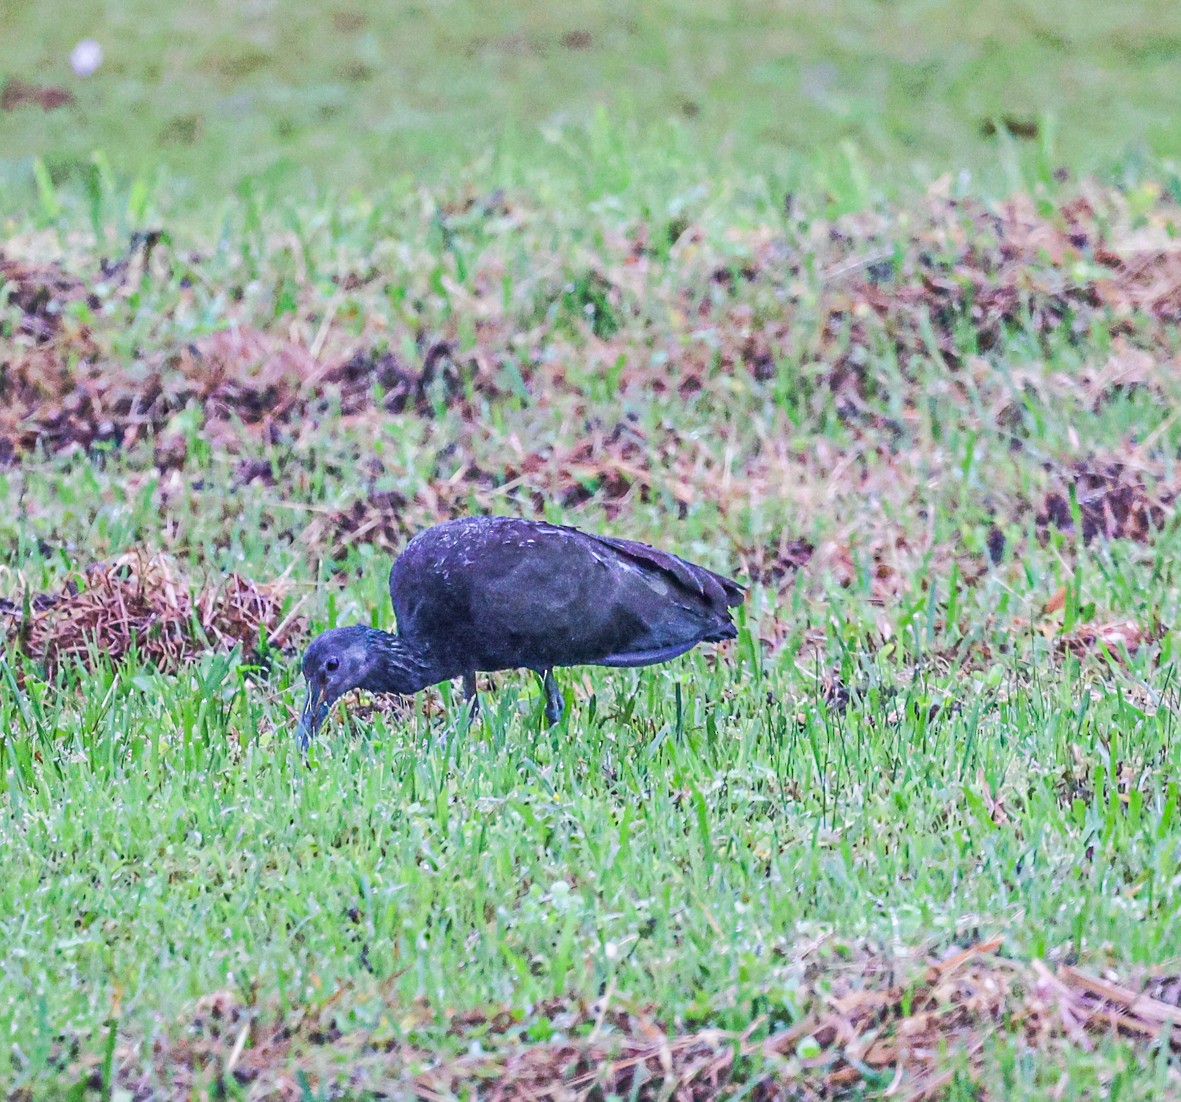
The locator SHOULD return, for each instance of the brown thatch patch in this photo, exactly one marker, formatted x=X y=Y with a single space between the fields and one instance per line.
x=66 y=396
x=371 y=369
x=1116 y=497
x=61 y=392
x=978 y=272
x=444 y=379
x=1127 y=369
x=40 y=292
x=849 y=307
x=383 y=518
x=776 y=561
x=852 y=294
x=146 y=605
x=21 y=93
x=1143 y=277
x=868 y=1019
x=607 y=468
x=1114 y=638
x=243 y=374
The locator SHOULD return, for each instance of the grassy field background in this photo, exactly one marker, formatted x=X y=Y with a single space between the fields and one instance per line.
x=354 y=94
x=913 y=835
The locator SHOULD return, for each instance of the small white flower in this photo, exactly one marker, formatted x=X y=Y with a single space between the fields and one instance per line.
x=86 y=57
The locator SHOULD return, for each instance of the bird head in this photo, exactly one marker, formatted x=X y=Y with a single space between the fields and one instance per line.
x=336 y=661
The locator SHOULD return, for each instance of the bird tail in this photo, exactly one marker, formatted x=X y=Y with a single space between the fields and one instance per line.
x=725 y=630
x=732 y=592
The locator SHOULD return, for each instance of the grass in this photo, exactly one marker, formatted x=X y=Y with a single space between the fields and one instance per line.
x=366 y=93
x=911 y=748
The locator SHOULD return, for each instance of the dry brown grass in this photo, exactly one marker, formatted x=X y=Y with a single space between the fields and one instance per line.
x=902 y=1025
x=1126 y=496
x=146 y=605
x=830 y=297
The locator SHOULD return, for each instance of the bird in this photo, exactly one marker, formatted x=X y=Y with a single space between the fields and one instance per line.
x=479 y=594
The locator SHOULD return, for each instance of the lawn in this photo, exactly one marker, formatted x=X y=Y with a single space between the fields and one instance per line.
x=358 y=94
x=914 y=834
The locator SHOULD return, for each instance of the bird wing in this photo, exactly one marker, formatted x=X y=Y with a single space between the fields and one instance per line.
x=640 y=604
x=721 y=592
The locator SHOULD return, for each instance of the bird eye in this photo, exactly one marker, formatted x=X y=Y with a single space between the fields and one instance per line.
x=332 y=665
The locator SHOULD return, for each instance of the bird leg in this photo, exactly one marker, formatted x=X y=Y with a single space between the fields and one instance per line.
x=554 y=702
x=470 y=696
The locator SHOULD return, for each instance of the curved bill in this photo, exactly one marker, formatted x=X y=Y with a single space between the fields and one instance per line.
x=315 y=711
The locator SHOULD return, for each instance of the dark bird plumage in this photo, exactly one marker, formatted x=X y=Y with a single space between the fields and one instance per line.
x=480 y=594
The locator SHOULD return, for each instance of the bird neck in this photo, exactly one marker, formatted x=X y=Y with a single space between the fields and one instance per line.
x=398 y=666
